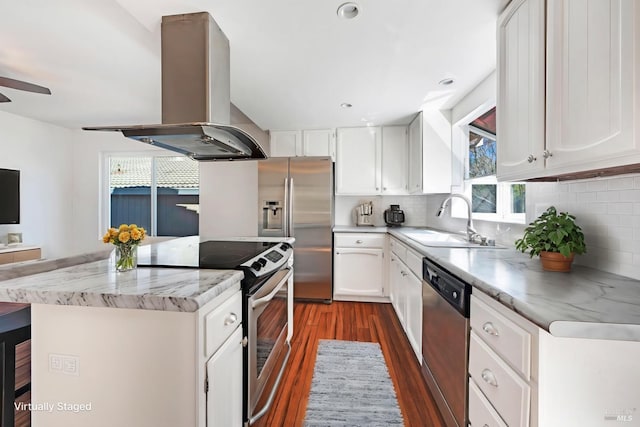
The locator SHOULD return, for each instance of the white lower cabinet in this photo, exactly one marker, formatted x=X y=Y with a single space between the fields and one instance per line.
x=406 y=292
x=224 y=383
x=358 y=266
x=503 y=375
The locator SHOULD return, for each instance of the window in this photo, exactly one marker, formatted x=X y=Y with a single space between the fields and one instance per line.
x=490 y=200
x=158 y=193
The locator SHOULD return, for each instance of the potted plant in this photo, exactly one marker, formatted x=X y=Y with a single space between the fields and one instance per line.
x=555 y=237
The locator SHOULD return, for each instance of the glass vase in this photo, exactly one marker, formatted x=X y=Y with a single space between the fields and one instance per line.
x=126 y=257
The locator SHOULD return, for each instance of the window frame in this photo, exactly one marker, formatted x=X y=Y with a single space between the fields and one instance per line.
x=105 y=193
x=462 y=182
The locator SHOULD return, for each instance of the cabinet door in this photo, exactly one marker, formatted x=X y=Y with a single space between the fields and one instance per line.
x=285 y=143
x=358 y=163
x=395 y=283
x=414 y=312
x=415 y=155
x=318 y=143
x=593 y=74
x=224 y=374
x=395 y=157
x=521 y=83
x=358 y=272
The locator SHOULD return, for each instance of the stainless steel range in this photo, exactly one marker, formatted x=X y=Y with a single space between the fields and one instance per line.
x=267 y=303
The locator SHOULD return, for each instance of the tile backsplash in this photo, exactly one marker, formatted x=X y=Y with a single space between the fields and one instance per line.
x=607 y=210
x=414 y=207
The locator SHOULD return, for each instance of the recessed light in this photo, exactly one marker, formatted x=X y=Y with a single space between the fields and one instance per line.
x=346 y=105
x=348 y=10
x=446 y=82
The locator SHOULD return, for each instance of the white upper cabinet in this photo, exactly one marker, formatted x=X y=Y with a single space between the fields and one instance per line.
x=319 y=142
x=358 y=170
x=415 y=155
x=285 y=143
x=521 y=80
x=593 y=78
x=295 y=143
x=585 y=115
x=394 y=159
x=372 y=160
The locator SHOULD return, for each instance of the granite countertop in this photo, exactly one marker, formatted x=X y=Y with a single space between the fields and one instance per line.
x=585 y=303
x=91 y=280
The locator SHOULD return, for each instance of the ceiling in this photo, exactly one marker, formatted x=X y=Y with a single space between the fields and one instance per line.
x=293 y=62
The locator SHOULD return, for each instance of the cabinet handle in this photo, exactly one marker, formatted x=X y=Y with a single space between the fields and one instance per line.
x=489 y=378
x=384 y=188
x=377 y=188
x=358 y=241
x=490 y=329
x=546 y=154
x=531 y=158
x=404 y=273
x=231 y=319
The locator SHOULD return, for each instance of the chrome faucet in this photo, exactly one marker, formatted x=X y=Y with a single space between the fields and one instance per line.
x=472 y=235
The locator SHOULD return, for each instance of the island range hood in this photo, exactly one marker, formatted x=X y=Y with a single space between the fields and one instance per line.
x=196 y=107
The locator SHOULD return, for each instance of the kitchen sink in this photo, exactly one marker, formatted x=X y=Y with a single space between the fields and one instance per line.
x=442 y=239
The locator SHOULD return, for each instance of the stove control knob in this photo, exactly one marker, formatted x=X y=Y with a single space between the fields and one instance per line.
x=256 y=266
x=262 y=261
x=285 y=246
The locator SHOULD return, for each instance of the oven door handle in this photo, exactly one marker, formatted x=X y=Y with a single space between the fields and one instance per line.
x=267 y=298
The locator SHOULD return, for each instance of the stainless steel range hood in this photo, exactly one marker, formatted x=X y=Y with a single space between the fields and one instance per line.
x=196 y=107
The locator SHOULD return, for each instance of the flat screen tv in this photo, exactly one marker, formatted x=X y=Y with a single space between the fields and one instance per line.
x=9 y=196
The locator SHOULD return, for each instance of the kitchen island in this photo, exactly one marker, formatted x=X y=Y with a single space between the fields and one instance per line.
x=132 y=348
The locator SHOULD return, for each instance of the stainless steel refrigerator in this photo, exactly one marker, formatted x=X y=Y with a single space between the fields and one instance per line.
x=295 y=197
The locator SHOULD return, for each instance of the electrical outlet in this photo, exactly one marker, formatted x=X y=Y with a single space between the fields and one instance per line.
x=64 y=364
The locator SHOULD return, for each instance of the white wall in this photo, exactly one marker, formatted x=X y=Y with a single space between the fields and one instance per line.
x=44 y=155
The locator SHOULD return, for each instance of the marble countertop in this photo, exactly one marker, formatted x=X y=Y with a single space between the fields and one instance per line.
x=91 y=280
x=356 y=229
x=585 y=303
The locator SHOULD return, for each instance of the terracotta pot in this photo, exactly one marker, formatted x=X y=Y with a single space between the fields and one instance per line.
x=555 y=261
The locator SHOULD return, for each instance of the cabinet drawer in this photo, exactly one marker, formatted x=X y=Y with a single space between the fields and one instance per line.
x=481 y=413
x=509 y=340
x=508 y=393
x=414 y=262
x=398 y=248
x=29 y=254
x=221 y=322
x=362 y=240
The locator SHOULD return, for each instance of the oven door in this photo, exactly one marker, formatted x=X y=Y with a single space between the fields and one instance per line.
x=267 y=322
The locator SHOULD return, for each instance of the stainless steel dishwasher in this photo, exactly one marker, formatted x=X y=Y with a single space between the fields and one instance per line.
x=445 y=341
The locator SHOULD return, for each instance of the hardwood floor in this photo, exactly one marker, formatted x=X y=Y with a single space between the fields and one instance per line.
x=356 y=322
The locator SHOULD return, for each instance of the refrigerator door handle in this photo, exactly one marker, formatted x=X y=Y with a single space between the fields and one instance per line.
x=286 y=208
x=290 y=211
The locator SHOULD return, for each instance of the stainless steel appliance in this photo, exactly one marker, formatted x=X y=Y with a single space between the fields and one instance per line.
x=394 y=216
x=196 y=108
x=295 y=198
x=445 y=341
x=267 y=266
x=364 y=214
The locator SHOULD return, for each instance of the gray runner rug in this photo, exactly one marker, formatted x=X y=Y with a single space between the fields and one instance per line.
x=351 y=387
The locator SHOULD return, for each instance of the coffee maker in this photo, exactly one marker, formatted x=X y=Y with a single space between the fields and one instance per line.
x=394 y=216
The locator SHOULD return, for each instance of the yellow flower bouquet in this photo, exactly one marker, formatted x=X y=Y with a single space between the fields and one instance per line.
x=126 y=239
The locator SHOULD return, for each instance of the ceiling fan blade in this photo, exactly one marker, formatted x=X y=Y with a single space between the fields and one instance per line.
x=20 y=85
x=4 y=98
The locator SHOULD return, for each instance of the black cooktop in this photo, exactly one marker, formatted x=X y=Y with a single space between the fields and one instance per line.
x=190 y=252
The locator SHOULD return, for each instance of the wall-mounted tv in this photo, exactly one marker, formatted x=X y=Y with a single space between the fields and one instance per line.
x=9 y=196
